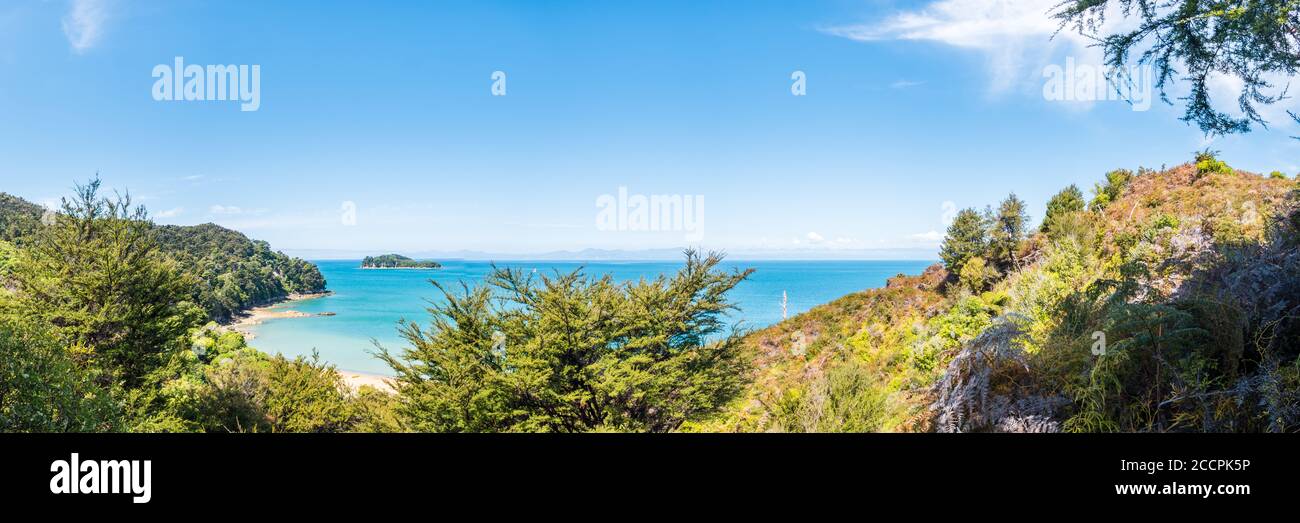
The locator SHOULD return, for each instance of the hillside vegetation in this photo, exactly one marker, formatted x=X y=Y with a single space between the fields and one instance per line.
x=100 y=330
x=1168 y=301
x=1164 y=301
x=230 y=271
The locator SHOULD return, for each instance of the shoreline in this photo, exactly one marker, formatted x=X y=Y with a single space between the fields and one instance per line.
x=356 y=380
x=244 y=321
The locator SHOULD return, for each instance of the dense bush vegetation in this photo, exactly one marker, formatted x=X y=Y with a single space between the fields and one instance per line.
x=222 y=385
x=227 y=271
x=233 y=272
x=96 y=278
x=19 y=218
x=41 y=389
x=867 y=345
x=572 y=353
x=99 y=332
x=1170 y=303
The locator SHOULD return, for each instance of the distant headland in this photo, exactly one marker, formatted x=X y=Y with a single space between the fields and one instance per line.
x=396 y=261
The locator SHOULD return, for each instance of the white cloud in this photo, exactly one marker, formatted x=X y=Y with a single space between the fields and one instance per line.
x=949 y=212
x=815 y=241
x=929 y=236
x=904 y=84
x=1224 y=91
x=1018 y=38
x=231 y=210
x=84 y=23
x=170 y=213
x=980 y=24
x=1011 y=34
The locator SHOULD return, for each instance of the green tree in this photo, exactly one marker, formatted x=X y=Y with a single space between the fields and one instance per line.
x=1006 y=233
x=1069 y=200
x=96 y=281
x=1195 y=40
x=571 y=353
x=966 y=239
x=1116 y=182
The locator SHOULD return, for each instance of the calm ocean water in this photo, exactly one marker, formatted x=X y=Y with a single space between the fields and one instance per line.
x=368 y=303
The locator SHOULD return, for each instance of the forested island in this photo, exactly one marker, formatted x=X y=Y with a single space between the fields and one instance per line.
x=396 y=261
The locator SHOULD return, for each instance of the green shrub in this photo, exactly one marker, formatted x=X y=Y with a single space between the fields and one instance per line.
x=845 y=398
x=1036 y=294
x=1207 y=162
x=41 y=390
x=1116 y=182
x=375 y=411
x=305 y=395
x=977 y=275
x=945 y=333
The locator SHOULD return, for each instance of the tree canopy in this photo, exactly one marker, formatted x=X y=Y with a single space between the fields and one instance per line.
x=1069 y=200
x=1256 y=42
x=966 y=239
x=230 y=272
x=571 y=353
x=99 y=331
x=96 y=279
x=1007 y=229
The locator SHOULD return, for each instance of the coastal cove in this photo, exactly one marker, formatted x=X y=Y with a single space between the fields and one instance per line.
x=366 y=304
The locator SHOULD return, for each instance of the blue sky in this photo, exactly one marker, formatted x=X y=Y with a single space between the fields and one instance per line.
x=911 y=109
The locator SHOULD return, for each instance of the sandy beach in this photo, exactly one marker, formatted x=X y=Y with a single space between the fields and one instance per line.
x=244 y=322
x=356 y=380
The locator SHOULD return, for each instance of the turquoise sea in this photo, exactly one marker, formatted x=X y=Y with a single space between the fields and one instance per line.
x=367 y=303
